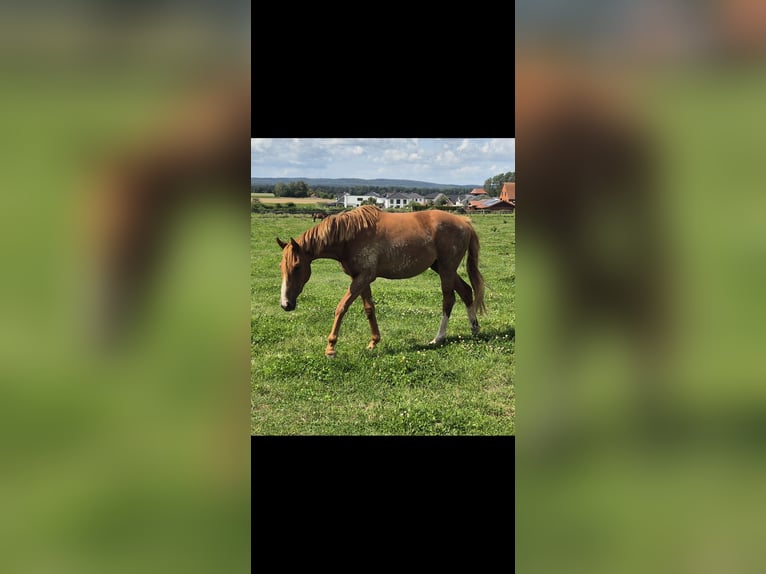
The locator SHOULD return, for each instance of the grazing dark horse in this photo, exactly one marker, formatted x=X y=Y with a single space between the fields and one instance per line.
x=318 y=215
x=371 y=243
x=195 y=154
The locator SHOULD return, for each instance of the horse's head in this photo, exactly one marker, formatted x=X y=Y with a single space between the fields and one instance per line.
x=296 y=270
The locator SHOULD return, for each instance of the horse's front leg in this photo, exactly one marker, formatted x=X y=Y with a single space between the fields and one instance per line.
x=369 y=310
x=357 y=286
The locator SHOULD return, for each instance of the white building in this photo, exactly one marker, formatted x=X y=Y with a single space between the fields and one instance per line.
x=400 y=200
x=462 y=200
x=397 y=200
x=349 y=200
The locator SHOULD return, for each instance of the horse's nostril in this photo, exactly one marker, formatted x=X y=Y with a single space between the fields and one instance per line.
x=288 y=306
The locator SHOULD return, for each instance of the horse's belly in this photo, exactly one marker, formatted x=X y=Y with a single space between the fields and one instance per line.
x=395 y=256
x=403 y=267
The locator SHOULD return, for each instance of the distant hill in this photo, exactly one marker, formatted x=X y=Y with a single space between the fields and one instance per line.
x=354 y=182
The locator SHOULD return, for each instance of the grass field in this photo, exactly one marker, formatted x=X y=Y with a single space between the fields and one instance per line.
x=404 y=387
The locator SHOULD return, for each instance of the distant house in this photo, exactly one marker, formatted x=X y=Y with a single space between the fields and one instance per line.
x=439 y=198
x=401 y=199
x=491 y=204
x=415 y=198
x=461 y=200
x=508 y=193
x=478 y=191
x=349 y=200
x=397 y=200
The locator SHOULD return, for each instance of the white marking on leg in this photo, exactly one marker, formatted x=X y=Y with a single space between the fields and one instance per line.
x=441 y=335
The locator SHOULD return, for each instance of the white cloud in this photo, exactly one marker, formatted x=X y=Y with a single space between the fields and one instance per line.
x=392 y=155
x=503 y=147
x=445 y=158
x=260 y=144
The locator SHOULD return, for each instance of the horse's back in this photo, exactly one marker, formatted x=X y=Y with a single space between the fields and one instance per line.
x=447 y=227
x=428 y=218
x=444 y=236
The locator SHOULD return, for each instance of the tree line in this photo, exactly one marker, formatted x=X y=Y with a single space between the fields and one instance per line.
x=492 y=186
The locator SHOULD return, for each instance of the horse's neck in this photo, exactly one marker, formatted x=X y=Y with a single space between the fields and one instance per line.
x=327 y=252
x=310 y=243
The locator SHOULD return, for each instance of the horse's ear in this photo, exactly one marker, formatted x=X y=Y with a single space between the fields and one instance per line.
x=295 y=244
x=281 y=243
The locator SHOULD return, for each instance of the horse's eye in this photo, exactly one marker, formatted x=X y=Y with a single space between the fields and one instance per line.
x=297 y=267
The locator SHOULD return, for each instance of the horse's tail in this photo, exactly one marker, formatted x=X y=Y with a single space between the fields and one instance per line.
x=477 y=281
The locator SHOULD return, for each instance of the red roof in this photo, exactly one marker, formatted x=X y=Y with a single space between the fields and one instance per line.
x=508 y=193
x=493 y=203
x=478 y=191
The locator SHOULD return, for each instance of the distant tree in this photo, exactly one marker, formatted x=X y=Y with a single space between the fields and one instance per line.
x=280 y=189
x=441 y=201
x=370 y=201
x=298 y=189
x=494 y=184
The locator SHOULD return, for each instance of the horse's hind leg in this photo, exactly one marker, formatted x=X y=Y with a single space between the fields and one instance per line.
x=369 y=310
x=448 y=301
x=466 y=294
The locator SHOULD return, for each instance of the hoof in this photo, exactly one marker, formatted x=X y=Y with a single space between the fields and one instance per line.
x=330 y=354
x=436 y=342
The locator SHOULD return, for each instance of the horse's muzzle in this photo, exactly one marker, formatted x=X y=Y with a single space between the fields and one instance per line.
x=289 y=306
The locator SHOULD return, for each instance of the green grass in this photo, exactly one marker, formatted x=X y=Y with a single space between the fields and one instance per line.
x=404 y=387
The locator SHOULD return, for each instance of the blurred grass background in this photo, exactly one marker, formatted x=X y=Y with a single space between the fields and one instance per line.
x=629 y=457
x=643 y=450
x=132 y=460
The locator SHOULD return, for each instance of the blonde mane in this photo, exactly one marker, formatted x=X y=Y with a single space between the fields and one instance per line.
x=339 y=228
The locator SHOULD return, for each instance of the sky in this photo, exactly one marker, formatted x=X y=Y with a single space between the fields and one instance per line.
x=459 y=161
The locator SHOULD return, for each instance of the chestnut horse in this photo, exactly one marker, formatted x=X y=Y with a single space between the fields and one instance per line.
x=371 y=243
